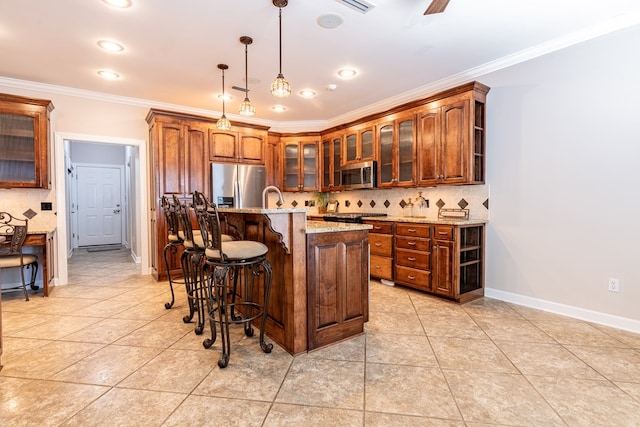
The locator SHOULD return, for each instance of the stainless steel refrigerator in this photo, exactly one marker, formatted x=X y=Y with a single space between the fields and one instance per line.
x=237 y=186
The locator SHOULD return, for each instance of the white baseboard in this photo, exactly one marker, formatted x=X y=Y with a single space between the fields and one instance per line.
x=136 y=258
x=566 y=310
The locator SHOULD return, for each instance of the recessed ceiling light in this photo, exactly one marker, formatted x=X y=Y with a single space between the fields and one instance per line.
x=118 y=3
x=330 y=21
x=331 y=87
x=226 y=97
x=347 y=73
x=108 y=74
x=279 y=108
x=110 y=46
x=307 y=93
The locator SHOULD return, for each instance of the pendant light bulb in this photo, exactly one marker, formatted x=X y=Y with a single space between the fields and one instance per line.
x=280 y=86
x=223 y=123
x=246 y=107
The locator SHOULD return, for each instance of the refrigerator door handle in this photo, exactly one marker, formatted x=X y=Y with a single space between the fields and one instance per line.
x=237 y=194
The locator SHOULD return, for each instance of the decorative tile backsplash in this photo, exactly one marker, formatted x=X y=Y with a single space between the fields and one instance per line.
x=400 y=201
x=25 y=203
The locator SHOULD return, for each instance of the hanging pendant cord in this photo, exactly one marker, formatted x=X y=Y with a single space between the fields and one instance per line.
x=223 y=92
x=280 y=26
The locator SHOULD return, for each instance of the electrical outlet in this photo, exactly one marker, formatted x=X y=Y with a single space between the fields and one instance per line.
x=614 y=285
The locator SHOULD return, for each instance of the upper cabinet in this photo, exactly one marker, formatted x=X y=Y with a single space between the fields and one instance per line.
x=331 y=149
x=300 y=163
x=397 y=151
x=451 y=139
x=24 y=142
x=245 y=146
x=358 y=144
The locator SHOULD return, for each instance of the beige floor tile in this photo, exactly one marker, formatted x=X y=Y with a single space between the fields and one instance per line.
x=535 y=314
x=579 y=402
x=202 y=410
x=251 y=374
x=470 y=355
x=377 y=419
x=56 y=327
x=400 y=350
x=282 y=415
x=548 y=360
x=429 y=305
x=123 y=407
x=178 y=371
x=351 y=349
x=13 y=322
x=616 y=364
x=327 y=383
x=86 y=292
x=507 y=329
x=105 y=331
x=497 y=398
x=12 y=387
x=451 y=326
x=406 y=322
x=628 y=338
x=409 y=390
x=64 y=306
x=45 y=360
x=40 y=403
x=108 y=366
x=144 y=311
x=577 y=333
x=632 y=389
x=490 y=308
x=106 y=308
x=156 y=334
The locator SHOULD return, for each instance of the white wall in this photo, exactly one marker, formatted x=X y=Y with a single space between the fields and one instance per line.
x=563 y=142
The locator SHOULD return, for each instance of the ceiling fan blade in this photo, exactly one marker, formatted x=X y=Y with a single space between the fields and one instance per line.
x=436 y=6
x=241 y=89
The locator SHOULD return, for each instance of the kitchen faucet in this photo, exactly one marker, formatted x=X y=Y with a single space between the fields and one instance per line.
x=264 y=195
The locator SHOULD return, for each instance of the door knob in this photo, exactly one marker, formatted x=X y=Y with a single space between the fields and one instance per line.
x=116 y=211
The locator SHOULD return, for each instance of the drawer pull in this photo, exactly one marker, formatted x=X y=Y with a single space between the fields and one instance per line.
x=377 y=267
x=411 y=258
x=411 y=277
x=411 y=230
x=411 y=243
x=377 y=227
x=443 y=232
x=378 y=244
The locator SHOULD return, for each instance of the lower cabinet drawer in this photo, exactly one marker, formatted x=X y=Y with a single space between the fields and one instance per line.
x=381 y=244
x=413 y=277
x=380 y=267
x=413 y=259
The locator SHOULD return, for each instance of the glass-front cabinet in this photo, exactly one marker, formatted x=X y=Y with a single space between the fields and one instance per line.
x=396 y=152
x=358 y=145
x=300 y=157
x=24 y=142
x=331 y=149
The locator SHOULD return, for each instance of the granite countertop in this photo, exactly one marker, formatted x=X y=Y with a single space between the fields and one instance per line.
x=425 y=220
x=330 y=227
x=262 y=211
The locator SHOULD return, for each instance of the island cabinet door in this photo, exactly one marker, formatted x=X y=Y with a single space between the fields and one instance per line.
x=337 y=286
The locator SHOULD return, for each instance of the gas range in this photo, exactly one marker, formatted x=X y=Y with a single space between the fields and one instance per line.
x=353 y=217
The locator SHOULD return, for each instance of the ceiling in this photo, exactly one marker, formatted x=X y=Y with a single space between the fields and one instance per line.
x=172 y=48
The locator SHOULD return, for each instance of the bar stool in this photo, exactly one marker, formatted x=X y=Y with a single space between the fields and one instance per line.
x=223 y=262
x=175 y=238
x=191 y=261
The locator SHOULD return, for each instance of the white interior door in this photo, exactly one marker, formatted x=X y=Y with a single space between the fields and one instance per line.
x=99 y=205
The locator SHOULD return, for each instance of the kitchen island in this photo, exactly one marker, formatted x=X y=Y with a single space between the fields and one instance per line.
x=319 y=291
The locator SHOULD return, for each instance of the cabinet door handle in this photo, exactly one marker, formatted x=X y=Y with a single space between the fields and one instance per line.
x=411 y=243
x=411 y=277
x=411 y=258
x=443 y=232
x=377 y=267
x=377 y=228
x=411 y=230
x=378 y=244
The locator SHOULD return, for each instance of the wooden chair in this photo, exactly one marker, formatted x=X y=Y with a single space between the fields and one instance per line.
x=11 y=254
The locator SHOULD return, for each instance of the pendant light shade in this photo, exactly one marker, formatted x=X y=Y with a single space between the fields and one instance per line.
x=223 y=123
x=246 y=107
x=280 y=86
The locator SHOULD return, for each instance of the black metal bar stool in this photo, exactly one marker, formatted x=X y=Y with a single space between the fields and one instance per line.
x=223 y=262
x=191 y=262
x=175 y=238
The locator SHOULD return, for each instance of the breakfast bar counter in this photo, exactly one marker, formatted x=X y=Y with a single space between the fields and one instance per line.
x=319 y=291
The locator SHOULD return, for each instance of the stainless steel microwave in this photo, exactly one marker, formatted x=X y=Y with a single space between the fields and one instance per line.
x=358 y=175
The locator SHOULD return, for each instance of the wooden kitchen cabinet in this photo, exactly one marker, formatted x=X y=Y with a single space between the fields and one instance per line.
x=451 y=139
x=358 y=145
x=331 y=149
x=381 y=249
x=337 y=286
x=396 y=151
x=300 y=163
x=24 y=142
x=246 y=147
x=412 y=255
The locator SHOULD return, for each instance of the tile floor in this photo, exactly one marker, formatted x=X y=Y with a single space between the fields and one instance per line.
x=104 y=351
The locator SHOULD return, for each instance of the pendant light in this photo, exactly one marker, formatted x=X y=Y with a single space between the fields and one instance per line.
x=280 y=86
x=223 y=122
x=246 y=107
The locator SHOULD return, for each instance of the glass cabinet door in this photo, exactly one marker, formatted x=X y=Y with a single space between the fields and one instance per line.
x=337 y=146
x=366 y=138
x=405 y=151
x=326 y=164
x=309 y=157
x=17 y=149
x=291 y=166
x=351 y=145
x=385 y=160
